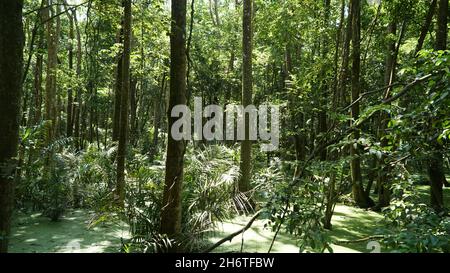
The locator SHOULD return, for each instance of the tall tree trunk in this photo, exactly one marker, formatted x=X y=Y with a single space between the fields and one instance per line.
x=361 y=199
x=299 y=128
x=426 y=26
x=211 y=12
x=216 y=11
x=344 y=72
x=59 y=107
x=435 y=165
x=52 y=63
x=90 y=105
x=322 y=124
x=118 y=88
x=37 y=84
x=331 y=195
x=69 y=127
x=171 y=212
x=117 y=100
x=383 y=170
x=11 y=65
x=442 y=30
x=157 y=117
x=133 y=111
x=339 y=41
x=78 y=98
x=122 y=149
x=247 y=87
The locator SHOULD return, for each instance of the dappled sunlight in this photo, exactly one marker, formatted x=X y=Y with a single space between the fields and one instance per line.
x=38 y=234
x=248 y=126
x=348 y=224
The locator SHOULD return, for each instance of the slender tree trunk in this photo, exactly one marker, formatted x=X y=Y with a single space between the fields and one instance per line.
x=117 y=100
x=435 y=165
x=383 y=170
x=339 y=41
x=344 y=72
x=211 y=12
x=52 y=63
x=298 y=119
x=426 y=26
x=58 y=130
x=118 y=88
x=247 y=87
x=69 y=127
x=133 y=111
x=78 y=98
x=121 y=153
x=37 y=84
x=300 y=144
x=442 y=30
x=90 y=105
x=216 y=11
x=357 y=183
x=157 y=117
x=322 y=124
x=171 y=212
x=11 y=66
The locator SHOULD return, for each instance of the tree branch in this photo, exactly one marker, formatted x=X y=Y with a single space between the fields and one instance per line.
x=48 y=6
x=408 y=87
x=374 y=237
x=234 y=234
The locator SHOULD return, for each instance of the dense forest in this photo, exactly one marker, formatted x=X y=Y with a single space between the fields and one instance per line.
x=224 y=126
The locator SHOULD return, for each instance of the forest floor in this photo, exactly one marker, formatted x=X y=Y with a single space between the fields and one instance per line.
x=34 y=233
x=348 y=224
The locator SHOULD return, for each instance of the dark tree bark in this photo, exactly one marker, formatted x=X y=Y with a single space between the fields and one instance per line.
x=117 y=100
x=118 y=88
x=342 y=99
x=171 y=212
x=361 y=199
x=300 y=140
x=435 y=165
x=122 y=149
x=442 y=30
x=426 y=26
x=339 y=40
x=382 y=181
x=322 y=124
x=247 y=87
x=11 y=66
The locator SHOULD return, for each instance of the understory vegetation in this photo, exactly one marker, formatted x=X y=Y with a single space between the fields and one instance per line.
x=363 y=157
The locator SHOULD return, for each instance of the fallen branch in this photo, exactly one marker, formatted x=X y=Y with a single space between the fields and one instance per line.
x=374 y=237
x=234 y=234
